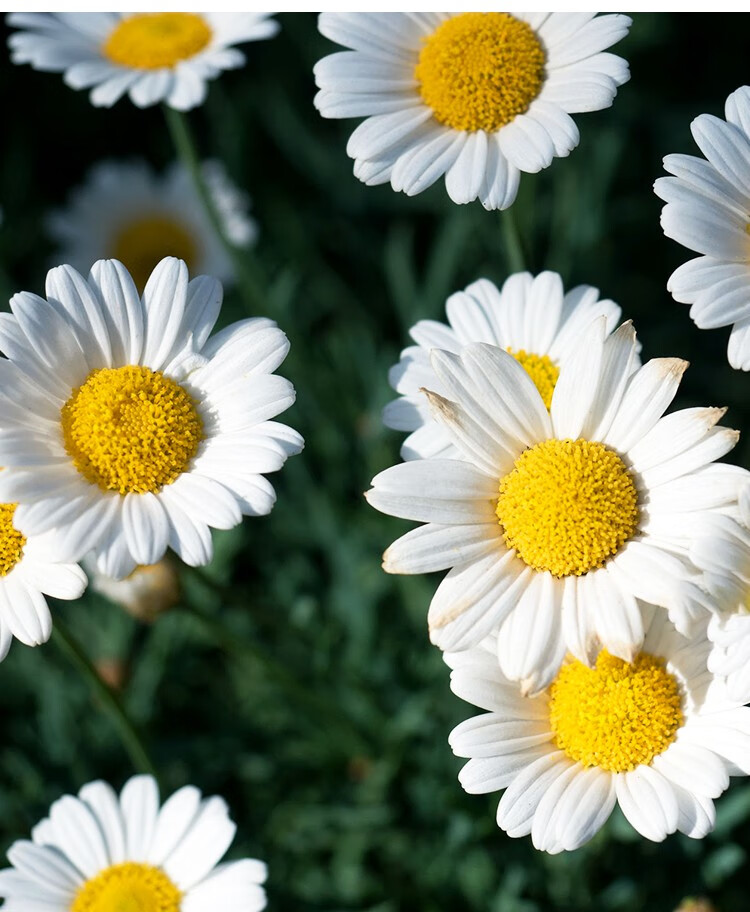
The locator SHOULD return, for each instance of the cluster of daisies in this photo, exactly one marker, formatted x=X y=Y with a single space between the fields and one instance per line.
x=597 y=561
x=598 y=555
x=129 y=427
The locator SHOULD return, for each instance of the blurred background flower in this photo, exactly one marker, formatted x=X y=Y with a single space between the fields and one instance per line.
x=152 y=57
x=126 y=211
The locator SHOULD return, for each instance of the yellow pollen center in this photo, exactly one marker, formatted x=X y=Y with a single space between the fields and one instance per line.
x=478 y=71
x=617 y=715
x=542 y=370
x=149 y=41
x=128 y=887
x=131 y=429
x=144 y=242
x=567 y=506
x=11 y=540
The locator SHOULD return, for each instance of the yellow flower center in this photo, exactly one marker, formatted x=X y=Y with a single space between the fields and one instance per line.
x=128 y=887
x=567 y=506
x=618 y=715
x=149 y=41
x=144 y=242
x=131 y=429
x=477 y=71
x=11 y=540
x=542 y=370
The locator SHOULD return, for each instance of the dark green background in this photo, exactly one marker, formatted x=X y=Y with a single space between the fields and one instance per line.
x=355 y=804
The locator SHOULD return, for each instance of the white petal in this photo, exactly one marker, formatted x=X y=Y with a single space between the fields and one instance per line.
x=649 y=802
x=501 y=180
x=102 y=800
x=694 y=768
x=647 y=396
x=574 y=397
x=526 y=144
x=530 y=643
x=618 y=620
x=72 y=298
x=434 y=547
x=174 y=821
x=139 y=804
x=518 y=805
x=474 y=599
x=466 y=175
x=208 y=838
x=78 y=835
x=145 y=526
x=444 y=491
x=121 y=308
x=164 y=303
x=726 y=147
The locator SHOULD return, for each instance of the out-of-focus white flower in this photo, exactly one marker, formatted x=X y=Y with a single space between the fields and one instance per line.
x=153 y=57
x=148 y=592
x=125 y=211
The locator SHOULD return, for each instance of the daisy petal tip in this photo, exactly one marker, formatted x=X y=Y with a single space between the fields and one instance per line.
x=441 y=408
x=528 y=687
x=389 y=563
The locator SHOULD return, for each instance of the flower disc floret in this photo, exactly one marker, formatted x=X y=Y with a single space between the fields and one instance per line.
x=141 y=244
x=130 y=429
x=542 y=370
x=567 y=506
x=478 y=71
x=11 y=540
x=150 y=41
x=128 y=887
x=617 y=715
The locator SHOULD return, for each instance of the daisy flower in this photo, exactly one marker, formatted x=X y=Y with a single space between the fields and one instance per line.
x=29 y=570
x=532 y=318
x=146 y=593
x=657 y=734
x=100 y=851
x=475 y=97
x=708 y=202
x=126 y=212
x=126 y=427
x=153 y=57
x=556 y=524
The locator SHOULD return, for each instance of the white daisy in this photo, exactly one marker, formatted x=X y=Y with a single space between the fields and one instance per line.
x=477 y=97
x=126 y=212
x=29 y=570
x=550 y=516
x=658 y=735
x=153 y=57
x=532 y=318
x=99 y=852
x=125 y=428
x=708 y=211
x=146 y=593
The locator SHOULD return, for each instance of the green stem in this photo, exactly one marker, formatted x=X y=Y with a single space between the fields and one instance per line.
x=514 y=252
x=321 y=710
x=243 y=262
x=131 y=741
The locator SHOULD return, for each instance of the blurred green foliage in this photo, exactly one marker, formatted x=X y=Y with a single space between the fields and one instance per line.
x=318 y=707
